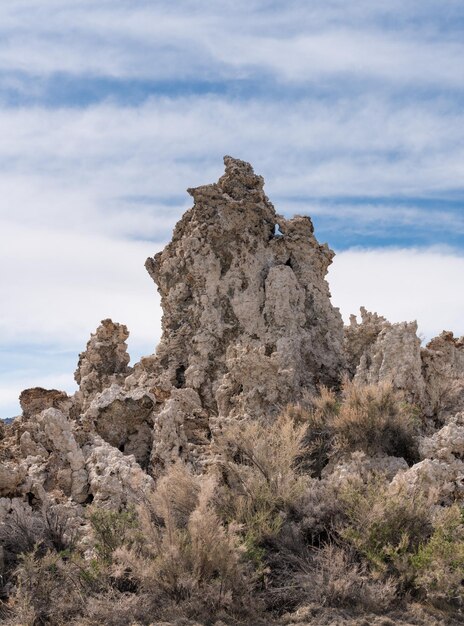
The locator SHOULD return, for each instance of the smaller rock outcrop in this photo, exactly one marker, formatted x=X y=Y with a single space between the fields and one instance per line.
x=443 y=370
x=440 y=474
x=395 y=356
x=432 y=377
x=104 y=362
x=37 y=399
x=360 y=337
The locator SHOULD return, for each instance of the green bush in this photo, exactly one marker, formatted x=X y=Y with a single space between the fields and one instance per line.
x=439 y=562
x=386 y=526
x=111 y=530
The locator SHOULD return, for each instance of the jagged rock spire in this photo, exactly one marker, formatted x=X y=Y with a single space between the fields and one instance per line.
x=247 y=318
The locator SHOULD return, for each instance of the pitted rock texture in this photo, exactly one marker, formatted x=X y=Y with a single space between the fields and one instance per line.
x=432 y=377
x=105 y=361
x=52 y=458
x=395 y=356
x=247 y=318
x=359 y=338
x=443 y=369
x=124 y=420
x=115 y=480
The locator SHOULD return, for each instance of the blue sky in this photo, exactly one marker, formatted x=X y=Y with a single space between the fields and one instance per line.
x=109 y=110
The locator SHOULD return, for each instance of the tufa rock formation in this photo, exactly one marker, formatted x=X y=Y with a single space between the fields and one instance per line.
x=104 y=362
x=431 y=377
x=247 y=318
x=248 y=327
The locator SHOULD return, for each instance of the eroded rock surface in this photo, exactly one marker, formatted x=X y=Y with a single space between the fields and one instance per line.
x=247 y=318
x=37 y=399
x=443 y=370
x=431 y=377
x=360 y=337
x=124 y=420
x=104 y=362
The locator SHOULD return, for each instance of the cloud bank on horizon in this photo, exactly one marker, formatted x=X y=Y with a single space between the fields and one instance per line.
x=353 y=113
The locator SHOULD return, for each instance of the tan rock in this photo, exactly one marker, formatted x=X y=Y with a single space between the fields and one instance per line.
x=104 y=362
x=124 y=419
x=360 y=337
x=443 y=367
x=37 y=399
x=115 y=480
x=395 y=357
x=247 y=320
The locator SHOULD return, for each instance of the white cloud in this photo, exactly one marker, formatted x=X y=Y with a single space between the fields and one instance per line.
x=75 y=165
x=402 y=285
x=384 y=220
x=56 y=286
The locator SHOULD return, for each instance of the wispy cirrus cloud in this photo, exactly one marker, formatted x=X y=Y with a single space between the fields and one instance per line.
x=292 y=42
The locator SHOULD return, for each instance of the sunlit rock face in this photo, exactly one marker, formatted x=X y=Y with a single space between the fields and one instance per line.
x=105 y=361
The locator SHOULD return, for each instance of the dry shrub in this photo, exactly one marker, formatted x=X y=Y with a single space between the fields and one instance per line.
x=49 y=590
x=281 y=510
x=271 y=450
x=261 y=478
x=20 y=531
x=377 y=420
x=329 y=576
x=111 y=530
x=444 y=395
x=371 y=418
x=316 y=414
x=25 y=530
x=335 y=579
x=118 y=609
x=184 y=554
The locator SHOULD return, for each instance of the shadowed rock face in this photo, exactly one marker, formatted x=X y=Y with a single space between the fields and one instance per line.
x=247 y=319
